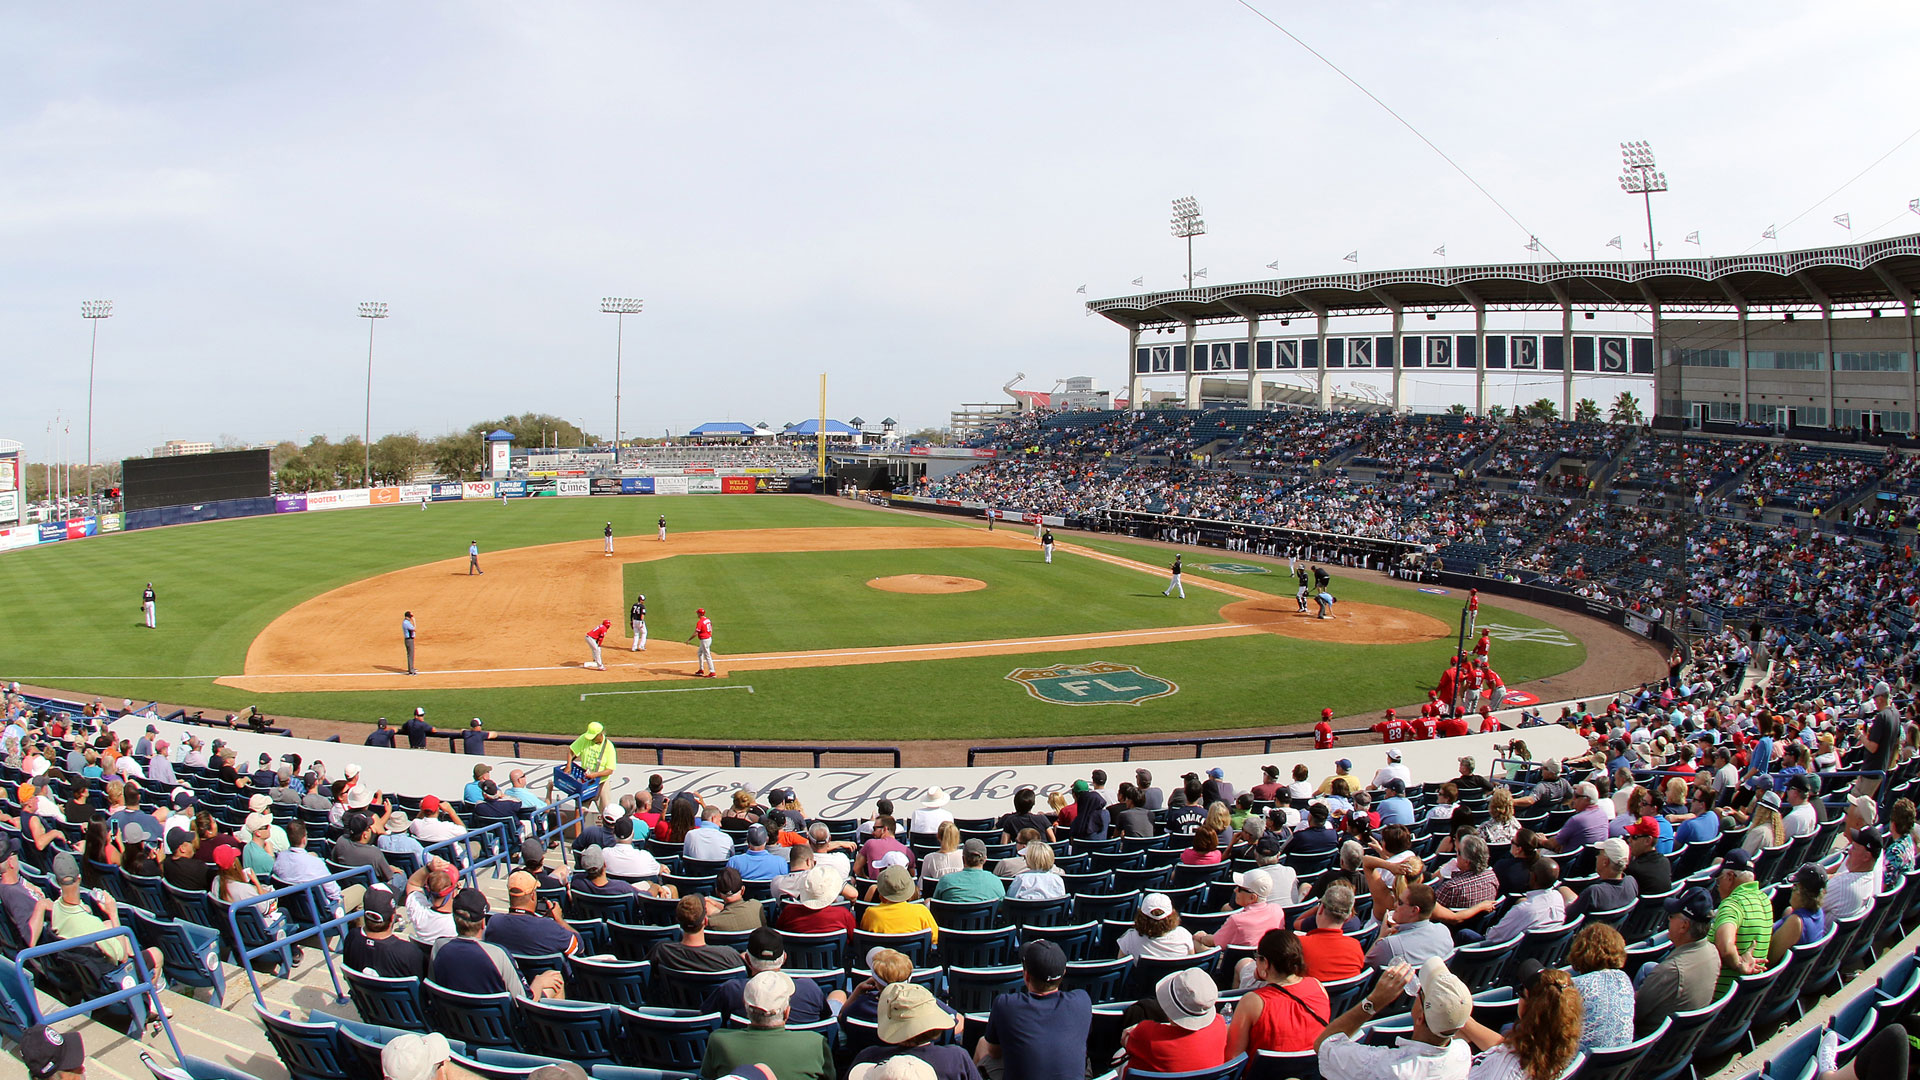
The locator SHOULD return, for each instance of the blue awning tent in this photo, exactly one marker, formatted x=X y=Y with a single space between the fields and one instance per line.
x=723 y=427
x=812 y=427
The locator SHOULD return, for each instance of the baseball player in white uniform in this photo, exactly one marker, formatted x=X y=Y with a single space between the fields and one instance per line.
x=608 y=533
x=637 y=620
x=1173 y=581
x=663 y=528
x=1046 y=544
x=146 y=606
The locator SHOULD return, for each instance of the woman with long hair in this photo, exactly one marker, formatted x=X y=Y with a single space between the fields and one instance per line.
x=233 y=882
x=100 y=848
x=743 y=809
x=1545 y=1038
x=1157 y=933
x=1806 y=917
x=1286 y=1010
x=1898 y=857
x=682 y=818
x=1599 y=959
x=1500 y=827
x=937 y=864
x=1515 y=870
x=1766 y=828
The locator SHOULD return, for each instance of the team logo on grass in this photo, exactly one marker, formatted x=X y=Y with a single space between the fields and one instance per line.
x=1098 y=683
x=1237 y=568
x=1544 y=635
x=1519 y=698
x=1436 y=591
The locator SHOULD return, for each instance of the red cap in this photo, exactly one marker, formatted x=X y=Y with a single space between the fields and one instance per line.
x=430 y=804
x=606 y=622
x=224 y=857
x=1390 y=713
x=1326 y=714
x=1646 y=826
x=700 y=611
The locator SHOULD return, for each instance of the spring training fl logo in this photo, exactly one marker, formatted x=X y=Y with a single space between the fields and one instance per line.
x=1098 y=683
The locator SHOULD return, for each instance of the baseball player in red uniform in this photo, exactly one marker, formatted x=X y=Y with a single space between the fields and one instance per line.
x=1488 y=725
x=1425 y=727
x=1453 y=725
x=1473 y=609
x=1447 y=679
x=595 y=637
x=703 y=637
x=1482 y=647
x=1323 y=736
x=1393 y=729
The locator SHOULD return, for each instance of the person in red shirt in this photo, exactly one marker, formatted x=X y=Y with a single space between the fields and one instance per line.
x=1484 y=646
x=1447 y=679
x=703 y=636
x=1323 y=736
x=595 y=637
x=1497 y=687
x=1424 y=727
x=1488 y=725
x=1451 y=726
x=1392 y=729
x=1194 y=1035
x=1330 y=954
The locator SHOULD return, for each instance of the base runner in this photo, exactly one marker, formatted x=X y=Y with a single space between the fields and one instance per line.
x=637 y=622
x=595 y=637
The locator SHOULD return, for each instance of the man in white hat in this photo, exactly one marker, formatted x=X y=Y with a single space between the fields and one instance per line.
x=1254 y=913
x=416 y=1057
x=1393 y=769
x=792 y=1055
x=1432 y=1052
x=926 y=820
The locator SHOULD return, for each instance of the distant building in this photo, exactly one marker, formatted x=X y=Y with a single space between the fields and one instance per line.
x=181 y=448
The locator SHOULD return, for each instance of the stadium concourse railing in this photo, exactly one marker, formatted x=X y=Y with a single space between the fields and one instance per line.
x=659 y=750
x=321 y=930
x=139 y=989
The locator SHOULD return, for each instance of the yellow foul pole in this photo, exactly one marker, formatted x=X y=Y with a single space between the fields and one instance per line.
x=820 y=440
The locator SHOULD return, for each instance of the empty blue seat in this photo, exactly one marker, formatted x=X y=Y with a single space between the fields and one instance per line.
x=917 y=947
x=1077 y=940
x=674 y=1039
x=978 y=948
x=616 y=982
x=969 y=915
x=310 y=1051
x=816 y=951
x=1620 y=1062
x=396 y=1003
x=972 y=990
x=189 y=952
x=687 y=989
x=578 y=1031
x=192 y=1068
x=475 y=1019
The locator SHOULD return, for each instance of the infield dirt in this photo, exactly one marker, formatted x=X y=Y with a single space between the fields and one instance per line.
x=523 y=621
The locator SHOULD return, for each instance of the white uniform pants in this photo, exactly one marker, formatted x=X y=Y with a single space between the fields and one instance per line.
x=639 y=634
x=663 y=532
x=706 y=654
x=1173 y=585
x=1049 y=549
x=595 y=647
x=609 y=545
x=147 y=606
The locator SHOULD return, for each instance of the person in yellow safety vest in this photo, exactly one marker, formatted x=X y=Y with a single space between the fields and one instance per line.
x=595 y=754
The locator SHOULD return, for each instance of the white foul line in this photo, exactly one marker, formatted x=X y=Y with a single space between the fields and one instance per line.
x=673 y=690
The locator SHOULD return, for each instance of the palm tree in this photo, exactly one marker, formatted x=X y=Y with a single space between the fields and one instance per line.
x=1456 y=409
x=1543 y=409
x=1497 y=413
x=1586 y=411
x=1625 y=410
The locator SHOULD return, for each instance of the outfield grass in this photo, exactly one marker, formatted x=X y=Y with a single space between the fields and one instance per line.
x=73 y=613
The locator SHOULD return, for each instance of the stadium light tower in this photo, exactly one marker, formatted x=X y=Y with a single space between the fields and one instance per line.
x=93 y=311
x=1639 y=177
x=373 y=313
x=1186 y=226
x=619 y=307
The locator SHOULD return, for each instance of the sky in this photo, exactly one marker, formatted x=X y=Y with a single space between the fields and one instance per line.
x=903 y=196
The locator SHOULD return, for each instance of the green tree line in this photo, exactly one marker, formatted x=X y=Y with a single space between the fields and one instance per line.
x=324 y=465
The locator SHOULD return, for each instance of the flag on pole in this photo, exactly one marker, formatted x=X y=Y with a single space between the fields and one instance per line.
x=1533 y=243
x=1845 y=221
x=1771 y=233
x=1914 y=205
x=1352 y=256
x=1694 y=238
x=1139 y=281
x=1275 y=264
x=1441 y=251
x=1202 y=272
x=1082 y=290
x=1614 y=243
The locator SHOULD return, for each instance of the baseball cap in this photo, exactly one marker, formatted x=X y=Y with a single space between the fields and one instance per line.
x=1863 y=807
x=1326 y=714
x=907 y=1009
x=1257 y=882
x=757 y=836
x=521 y=883
x=1044 y=960
x=700 y=611
x=1393 y=755
x=133 y=833
x=1770 y=799
x=1868 y=839
x=1187 y=997
x=378 y=904
x=1615 y=849
x=430 y=804
x=727 y=881
x=594 y=858
x=533 y=853
x=1645 y=826
x=1156 y=905
x=1737 y=859
x=225 y=856
x=257 y=821
x=1396 y=785
x=1444 y=998
x=419 y=710
x=182 y=798
x=47 y=1051
x=594 y=728
x=176 y=837
x=1880 y=689
x=1343 y=764
x=471 y=903
x=1217 y=773
x=65 y=870
x=414 y=1057
x=1695 y=903
x=768 y=992
x=1524 y=975
x=1080 y=786
x=260 y=803
x=765 y=945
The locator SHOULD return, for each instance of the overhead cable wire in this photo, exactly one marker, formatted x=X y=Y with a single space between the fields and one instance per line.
x=1829 y=195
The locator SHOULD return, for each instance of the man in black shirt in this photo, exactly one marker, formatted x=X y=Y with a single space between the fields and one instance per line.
x=183 y=870
x=474 y=740
x=1880 y=738
x=1316 y=837
x=691 y=952
x=381 y=735
x=417 y=729
x=1023 y=817
x=372 y=946
x=1652 y=870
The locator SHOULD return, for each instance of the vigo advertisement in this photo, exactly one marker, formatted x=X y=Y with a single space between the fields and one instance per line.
x=477 y=489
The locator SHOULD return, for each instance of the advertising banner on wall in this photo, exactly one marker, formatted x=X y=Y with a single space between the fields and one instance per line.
x=289 y=504
x=9 y=507
x=53 y=531
x=636 y=485
x=574 y=485
x=545 y=487
x=82 y=527
x=510 y=489
x=604 y=485
x=383 y=496
x=499 y=456
x=415 y=492
x=703 y=485
x=23 y=536
x=737 y=485
x=778 y=485
x=112 y=523
x=477 y=489
x=447 y=492
x=337 y=500
x=669 y=485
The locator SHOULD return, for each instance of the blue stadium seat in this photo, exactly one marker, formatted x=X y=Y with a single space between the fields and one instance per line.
x=978 y=948
x=310 y=1051
x=396 y=1003
x=1672 y=1056
x=1621 y=1062
x=1283 y=1065
x=972 y=990
x=1077 y=940
x=674 y=1039
x=580 y=1031
x=817 y=951
x=616 y=982
x=687 y=989
x=475 y=1019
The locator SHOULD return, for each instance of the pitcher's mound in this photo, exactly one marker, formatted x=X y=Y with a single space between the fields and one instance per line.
x=926 y=583
x=1351 y=624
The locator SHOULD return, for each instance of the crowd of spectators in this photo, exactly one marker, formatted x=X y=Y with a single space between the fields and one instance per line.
x=1527 y=450
x=1809 y=478
x=1685 y=466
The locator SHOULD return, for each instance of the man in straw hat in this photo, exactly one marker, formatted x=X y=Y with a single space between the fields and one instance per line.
x=1433 y=1051
x=911 y=1023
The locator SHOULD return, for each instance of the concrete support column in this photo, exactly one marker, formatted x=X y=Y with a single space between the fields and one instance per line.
x=1480 y=359
x=1193 y=376
x=1325 y=391
x=1393 y=375
x=1566 y=359
x=1826 y=325
x=1255 y=396
x=1743 y=363
x=1913 y=364
x=1133 y=370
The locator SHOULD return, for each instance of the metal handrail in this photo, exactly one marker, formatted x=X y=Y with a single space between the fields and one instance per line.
x=144 y=987
x=660 y=749
x=470 y=867
x=1199 y=743
x=318 y=930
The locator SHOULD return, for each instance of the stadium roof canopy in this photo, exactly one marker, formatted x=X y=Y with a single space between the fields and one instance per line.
x=812 y=427
x=1879 y=273
x=723 y=427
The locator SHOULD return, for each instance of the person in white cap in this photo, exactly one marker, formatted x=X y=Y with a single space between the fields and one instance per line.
x=1393 y=769
x=926 y=820
x=792 y=1055
x=416 y=1057
x=1193 y=1037
x=1254 y=913
x=1432 y=1052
